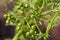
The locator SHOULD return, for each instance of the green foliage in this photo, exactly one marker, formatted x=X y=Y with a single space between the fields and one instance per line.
x=25 y=16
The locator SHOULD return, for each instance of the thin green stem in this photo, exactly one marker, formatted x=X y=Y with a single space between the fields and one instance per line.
x=50 y=24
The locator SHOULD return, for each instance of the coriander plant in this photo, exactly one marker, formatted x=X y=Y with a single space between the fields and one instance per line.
x=25 y=15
